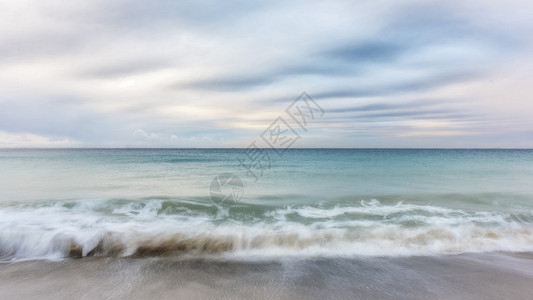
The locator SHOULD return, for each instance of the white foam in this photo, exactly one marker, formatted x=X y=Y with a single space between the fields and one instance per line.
x=50 y=231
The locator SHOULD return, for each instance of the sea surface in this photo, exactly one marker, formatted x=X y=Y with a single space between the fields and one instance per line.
x=332 y=213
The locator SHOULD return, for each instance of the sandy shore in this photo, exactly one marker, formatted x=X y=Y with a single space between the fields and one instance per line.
x=472 y=276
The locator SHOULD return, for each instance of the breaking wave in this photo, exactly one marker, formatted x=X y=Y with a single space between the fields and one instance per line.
x=147 y=228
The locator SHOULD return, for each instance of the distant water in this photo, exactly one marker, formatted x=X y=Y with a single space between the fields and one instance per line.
x=316 y=203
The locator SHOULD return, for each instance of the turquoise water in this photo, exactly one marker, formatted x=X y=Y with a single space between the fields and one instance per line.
x=308 y=202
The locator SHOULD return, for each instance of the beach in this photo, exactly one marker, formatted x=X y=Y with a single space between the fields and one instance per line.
x=266 y=149
x=473 y=276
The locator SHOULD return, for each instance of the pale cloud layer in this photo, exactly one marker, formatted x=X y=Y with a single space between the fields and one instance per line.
x=217 y=73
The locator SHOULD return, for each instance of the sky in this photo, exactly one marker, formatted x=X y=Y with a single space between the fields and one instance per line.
x=415 y=74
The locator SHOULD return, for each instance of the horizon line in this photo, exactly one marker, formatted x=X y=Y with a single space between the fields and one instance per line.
x=242 y=148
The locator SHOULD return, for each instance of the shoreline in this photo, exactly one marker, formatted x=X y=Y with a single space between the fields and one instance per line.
x=467 y=276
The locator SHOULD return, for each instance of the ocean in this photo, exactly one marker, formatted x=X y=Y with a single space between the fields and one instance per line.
x=385 y=223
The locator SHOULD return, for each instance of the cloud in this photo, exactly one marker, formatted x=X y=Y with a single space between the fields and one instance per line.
x=403 y=86
x=211 y=73
x=29 y=140
x=435 y=39
x=369 y=52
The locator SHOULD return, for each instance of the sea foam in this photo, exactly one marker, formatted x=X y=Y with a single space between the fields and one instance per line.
x=59 y=230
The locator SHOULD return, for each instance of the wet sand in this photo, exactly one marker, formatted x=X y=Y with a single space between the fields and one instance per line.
x=468 y=276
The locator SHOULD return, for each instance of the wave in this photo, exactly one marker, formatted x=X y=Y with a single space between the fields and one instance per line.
x=147 y=228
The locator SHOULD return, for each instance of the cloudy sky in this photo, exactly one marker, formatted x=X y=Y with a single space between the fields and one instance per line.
x=217 y=73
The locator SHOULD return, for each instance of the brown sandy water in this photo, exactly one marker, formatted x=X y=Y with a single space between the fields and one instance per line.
x=466 y=276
